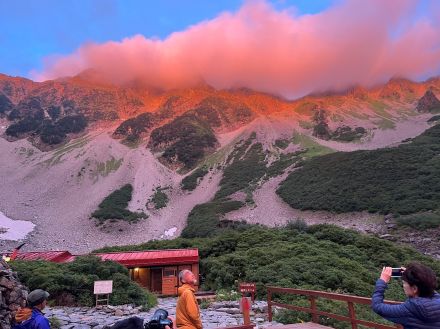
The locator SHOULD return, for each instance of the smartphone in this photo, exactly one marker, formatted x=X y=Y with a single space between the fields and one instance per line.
x=396 y=272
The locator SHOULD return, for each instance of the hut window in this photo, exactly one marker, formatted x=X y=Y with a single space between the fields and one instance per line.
x=169 y=272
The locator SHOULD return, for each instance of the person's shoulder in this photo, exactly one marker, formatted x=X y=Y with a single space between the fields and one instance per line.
x=188 y=292
x=424 y=302
x=41 y=320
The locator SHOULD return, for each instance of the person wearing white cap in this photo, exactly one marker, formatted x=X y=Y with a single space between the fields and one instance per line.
x=31 y=317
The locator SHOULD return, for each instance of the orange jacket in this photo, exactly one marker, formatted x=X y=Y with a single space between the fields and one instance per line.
x=187 y=311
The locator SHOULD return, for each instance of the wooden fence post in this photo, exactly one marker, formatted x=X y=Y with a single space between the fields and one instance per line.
x=313 y=307
x=269 y=304
x=352 y=313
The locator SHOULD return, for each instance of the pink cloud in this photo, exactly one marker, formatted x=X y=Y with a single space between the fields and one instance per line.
x=354 y=42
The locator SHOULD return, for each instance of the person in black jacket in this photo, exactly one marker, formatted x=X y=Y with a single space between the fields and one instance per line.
x=422 y=308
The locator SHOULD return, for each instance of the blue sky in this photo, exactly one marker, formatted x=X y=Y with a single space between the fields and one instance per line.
x=33 y=29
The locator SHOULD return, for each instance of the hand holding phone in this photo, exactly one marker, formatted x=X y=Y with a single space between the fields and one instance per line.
x=396 y=272
x=386 y=274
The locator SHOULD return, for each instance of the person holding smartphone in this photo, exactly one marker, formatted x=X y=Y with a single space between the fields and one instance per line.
x=421 y=310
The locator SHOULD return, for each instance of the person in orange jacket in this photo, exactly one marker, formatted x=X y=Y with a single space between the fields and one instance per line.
x=187 y=311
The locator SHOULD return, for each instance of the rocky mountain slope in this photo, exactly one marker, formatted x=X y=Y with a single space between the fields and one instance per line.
x=68 y=144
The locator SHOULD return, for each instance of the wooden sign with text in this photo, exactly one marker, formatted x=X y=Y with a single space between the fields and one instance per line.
x=103 y=287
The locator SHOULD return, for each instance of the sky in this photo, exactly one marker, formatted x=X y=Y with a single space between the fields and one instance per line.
x=31 y=30
x=284 y=47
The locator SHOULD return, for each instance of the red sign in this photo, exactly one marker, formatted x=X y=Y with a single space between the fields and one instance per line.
x=248 y=288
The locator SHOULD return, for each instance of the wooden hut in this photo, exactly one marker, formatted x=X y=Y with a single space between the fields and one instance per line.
x=155 y=270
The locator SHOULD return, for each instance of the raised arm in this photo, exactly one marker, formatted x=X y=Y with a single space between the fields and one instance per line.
x=393 y=313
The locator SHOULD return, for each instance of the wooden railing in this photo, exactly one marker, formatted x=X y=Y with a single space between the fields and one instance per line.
x=313 y=295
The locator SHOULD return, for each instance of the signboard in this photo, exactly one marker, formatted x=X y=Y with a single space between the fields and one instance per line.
x=103 y=287
x=246 y=288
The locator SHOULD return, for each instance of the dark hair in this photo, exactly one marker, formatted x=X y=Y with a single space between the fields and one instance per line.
x=422 y=277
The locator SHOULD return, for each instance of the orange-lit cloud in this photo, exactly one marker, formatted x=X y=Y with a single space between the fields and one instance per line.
x=354 y=42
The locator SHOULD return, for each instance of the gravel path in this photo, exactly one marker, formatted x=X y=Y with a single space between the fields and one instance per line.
x=217 y=314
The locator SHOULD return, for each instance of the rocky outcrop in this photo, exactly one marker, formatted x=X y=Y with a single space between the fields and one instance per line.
x=12 y=295
x=321 y=128
x=429 y=103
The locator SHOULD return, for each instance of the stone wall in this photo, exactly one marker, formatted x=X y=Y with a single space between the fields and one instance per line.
x=12 y=294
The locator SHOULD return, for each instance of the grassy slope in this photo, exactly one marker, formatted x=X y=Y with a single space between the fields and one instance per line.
x=405 y=179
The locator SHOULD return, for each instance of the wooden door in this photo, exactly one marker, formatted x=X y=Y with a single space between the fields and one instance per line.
x=156 y=280
x=169 y=280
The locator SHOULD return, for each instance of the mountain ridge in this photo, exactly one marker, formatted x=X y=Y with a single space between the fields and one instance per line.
x=153 y=140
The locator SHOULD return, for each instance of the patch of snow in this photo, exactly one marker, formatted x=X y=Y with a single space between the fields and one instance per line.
x=14 y=229
x=171 y=232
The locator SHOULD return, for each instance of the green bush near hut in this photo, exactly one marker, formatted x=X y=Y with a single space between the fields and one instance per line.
x=72 y=283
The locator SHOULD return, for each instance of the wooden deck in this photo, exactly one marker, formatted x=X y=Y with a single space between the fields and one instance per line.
x=308 y=325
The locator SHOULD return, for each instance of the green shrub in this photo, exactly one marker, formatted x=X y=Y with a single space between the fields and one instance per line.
x=114 y=206
x=54 y=322
x=297 y=225
x=32 y=120
x=72 y=283
x=204 y=304
x=185 y=140
x=72 y=123
x=191 y=181
x=347 y=134
x=28 y=124
x=278 y=167
x=248 y=166
x=133 y=128
x=435 y=118
x=54 y=112
x=52 y=134
x=226 y=295
x=204 y=219
x=421 y=221
x=403 y=179
x=282 y=143
x=160 y=198
x=321 y=128
x=5 y=104
x=217 y=111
